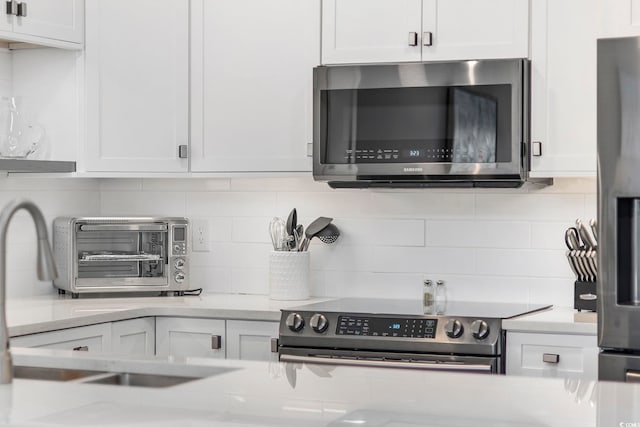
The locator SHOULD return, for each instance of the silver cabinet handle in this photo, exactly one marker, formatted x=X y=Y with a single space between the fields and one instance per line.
x=275 y=344
x=81 y=348
x=550 y=358
x=183 y=151
x=22 y=9
x=536 y=148
x=413 y=38
x=427 y=38
x=216 y=342
x=12 y=7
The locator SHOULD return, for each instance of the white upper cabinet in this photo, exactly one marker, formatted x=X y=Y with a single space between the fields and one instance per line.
x=58 y=23
x=137 y=85
x=251 y=84
x=364 y=31
x=563 y=86
x=619 y=18
x=370 y=31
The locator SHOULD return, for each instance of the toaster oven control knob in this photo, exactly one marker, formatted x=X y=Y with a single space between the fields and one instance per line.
x=480 y=329
x=453 y=328
x=295 y=322
x=179 y=264
x=319 y=323
x=179 y=277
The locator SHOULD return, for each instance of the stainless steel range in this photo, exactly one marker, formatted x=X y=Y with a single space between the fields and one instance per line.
x=466 y=336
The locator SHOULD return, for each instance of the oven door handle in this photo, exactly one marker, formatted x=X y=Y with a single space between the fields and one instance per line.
x=387 y=363
x=123 y=227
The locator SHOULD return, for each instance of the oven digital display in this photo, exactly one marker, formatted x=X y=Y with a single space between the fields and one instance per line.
x=178 y=234
x=386 y=327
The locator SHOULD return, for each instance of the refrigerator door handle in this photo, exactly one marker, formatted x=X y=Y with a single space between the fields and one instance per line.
x=632 y=377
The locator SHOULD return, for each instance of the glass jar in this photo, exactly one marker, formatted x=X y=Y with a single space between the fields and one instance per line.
x=428 y=293
x=440 y=297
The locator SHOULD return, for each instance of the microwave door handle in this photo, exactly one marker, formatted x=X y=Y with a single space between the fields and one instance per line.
x=123 y=227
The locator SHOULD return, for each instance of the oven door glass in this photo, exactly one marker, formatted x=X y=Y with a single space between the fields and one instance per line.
x=121 y=254
x=434 y=124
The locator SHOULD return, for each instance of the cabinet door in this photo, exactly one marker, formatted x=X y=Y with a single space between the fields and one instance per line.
x=177 y=336
x=94 y=338
x=619 y=18
x=552 y=355
x=134 y=336
x=137 y=82
x=252 y=85
x=563 y=86
x=370 y=31
x=60 y=19
x=250 y=340
x=471 y=29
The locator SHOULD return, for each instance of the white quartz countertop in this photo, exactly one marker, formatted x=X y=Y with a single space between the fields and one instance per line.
x=560 y=320
x=240 y=393
x=46 y=313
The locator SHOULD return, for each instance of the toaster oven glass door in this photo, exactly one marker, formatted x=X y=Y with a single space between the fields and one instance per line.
x=127 y=253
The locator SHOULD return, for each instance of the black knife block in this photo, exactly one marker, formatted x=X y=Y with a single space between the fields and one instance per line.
x=585 y=296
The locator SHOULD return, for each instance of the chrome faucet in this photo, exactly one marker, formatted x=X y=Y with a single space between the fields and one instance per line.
x=46 y=271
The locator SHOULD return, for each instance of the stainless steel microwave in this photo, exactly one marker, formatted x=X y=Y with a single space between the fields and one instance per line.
x=461 y=124
x=121 y=254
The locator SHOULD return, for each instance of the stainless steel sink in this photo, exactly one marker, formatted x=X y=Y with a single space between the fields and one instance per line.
x=138 y=380
x=51 y=374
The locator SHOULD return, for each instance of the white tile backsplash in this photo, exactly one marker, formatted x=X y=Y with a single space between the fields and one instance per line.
x=488 y=245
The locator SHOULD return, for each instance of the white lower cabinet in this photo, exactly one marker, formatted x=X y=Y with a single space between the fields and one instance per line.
x=177 y=336
x=134 y=336
x=94 y=338
x=164 y=336
x=552 y=355
x=250 y=340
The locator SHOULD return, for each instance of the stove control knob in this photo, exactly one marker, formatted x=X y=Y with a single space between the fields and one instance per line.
x=295 y=322
x=480 y=329
x=453 y=328
x=319 y=323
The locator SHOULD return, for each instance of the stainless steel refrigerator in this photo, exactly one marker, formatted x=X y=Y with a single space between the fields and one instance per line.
x=619 y=208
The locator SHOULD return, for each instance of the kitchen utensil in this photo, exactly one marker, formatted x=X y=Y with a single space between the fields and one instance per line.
x=329 y=234
x=277 y=231
x=298 y=235
x=572 y=238
x=313 y=229
x=594 y=228
x=585 y=235
x=582 y=274
x=572 y=263
x=292 y=222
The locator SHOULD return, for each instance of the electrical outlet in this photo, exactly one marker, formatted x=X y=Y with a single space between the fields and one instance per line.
x=201 y=232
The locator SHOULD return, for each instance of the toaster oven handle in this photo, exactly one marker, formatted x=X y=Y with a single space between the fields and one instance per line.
x=123 y=227
x=388 y=363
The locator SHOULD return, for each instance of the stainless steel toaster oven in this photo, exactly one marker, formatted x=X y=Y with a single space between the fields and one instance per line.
x=132 y=254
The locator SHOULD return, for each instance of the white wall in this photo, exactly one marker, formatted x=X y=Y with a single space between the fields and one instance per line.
x=488 y=245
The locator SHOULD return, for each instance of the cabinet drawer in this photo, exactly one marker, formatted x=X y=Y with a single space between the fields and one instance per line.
x=552 y=355
x=94 y=338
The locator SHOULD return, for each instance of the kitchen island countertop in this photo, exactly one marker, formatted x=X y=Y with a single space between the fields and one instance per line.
x=277 y=394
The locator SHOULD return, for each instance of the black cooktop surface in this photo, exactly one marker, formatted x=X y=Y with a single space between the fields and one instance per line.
x=415 y=307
